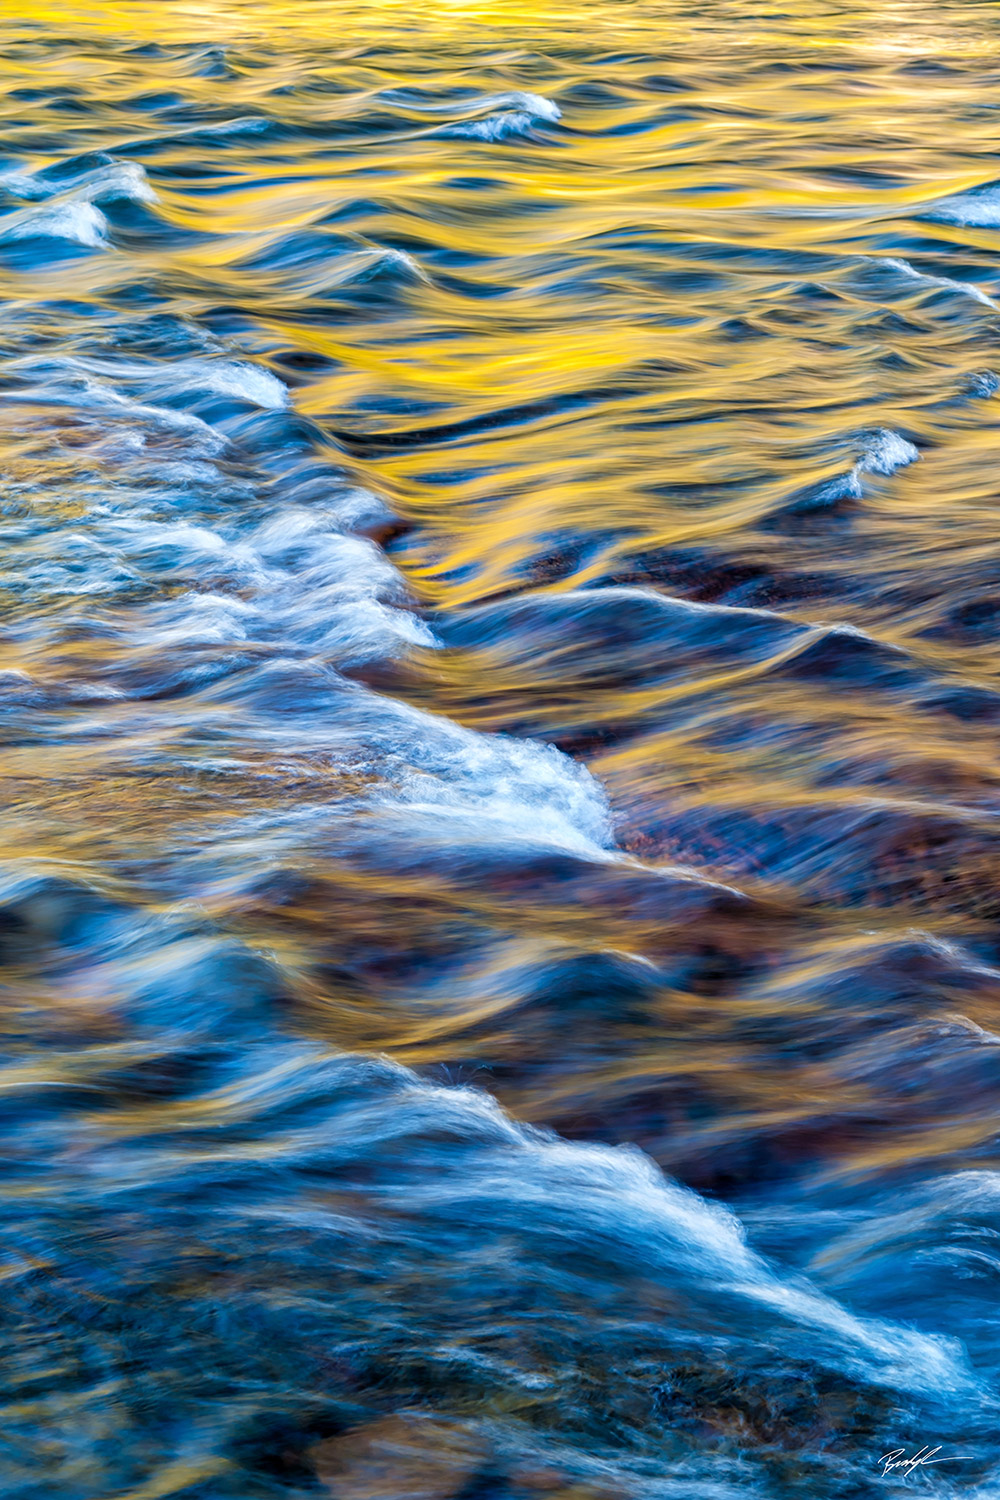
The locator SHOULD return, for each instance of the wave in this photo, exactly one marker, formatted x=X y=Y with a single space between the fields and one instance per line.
x=503 y=126
x=978 y=208
x=288 y=1157
x=80 y=223
x=84 y=180
x=517 y=100
x=885 y=452
x=964 y=288
x=463 y=624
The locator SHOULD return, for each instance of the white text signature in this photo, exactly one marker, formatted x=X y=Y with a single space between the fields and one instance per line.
x=897 y=1459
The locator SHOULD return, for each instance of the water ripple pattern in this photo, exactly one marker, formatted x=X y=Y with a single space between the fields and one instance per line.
x=499 y=690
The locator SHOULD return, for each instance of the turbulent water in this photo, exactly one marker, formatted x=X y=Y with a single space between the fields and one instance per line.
x=499 y=604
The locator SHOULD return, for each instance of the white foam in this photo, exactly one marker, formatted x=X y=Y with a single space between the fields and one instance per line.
x=197 y=432
x=498 y=127
x=309 y=542
x=715 y=1241
x=618 y=1200
x=245 y=125
x=24 y=185
x=197 y=619
x=978 y=210
x=332 y=592
x=361 y=265
x=965 y=288
x=69 y=382
x=842 y=487
x=304 y=586
x=379 y=256
x=78 y=221
x=185 y=471
x=474 y=785
x=361 y=629
x=114 y=180
x=434 y=785
x=180 y=547
x=535 y=105
x=510 y=114
x=245 y=382
x=121 y=179
x=238 y=378
x=984 y=384
x=885 y=452
x=361 y=510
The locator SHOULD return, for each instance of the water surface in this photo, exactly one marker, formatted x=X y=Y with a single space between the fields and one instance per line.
x=498 y=717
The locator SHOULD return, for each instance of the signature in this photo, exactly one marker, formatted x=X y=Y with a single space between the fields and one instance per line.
x=897 y=1459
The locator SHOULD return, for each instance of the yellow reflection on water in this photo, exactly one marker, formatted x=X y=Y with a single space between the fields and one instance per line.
x=627 y=343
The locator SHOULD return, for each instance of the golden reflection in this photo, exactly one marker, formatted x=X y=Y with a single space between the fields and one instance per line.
x=615 y=354
x=498 y=578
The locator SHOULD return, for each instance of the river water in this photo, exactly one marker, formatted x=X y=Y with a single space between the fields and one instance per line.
x=498 y=720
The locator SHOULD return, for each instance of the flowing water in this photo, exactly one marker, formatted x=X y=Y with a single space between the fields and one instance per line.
x=499 y=605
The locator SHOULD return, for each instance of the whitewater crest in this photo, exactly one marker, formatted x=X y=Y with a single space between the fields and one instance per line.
x=980 y=207
x=81 y=223
x=885 y=452
x=508 y=116
x=68 y=200
x=964 y=288
x=108 y=180
x=498 y=127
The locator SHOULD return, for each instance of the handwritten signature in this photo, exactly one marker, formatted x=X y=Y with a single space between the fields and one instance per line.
x=897 y=1459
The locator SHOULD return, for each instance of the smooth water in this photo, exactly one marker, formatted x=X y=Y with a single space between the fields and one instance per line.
x=499 y=603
